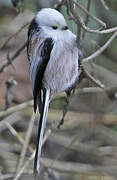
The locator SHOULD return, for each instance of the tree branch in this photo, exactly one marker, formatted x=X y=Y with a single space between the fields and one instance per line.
x=78 y=20
x=99 y=51
x=17 y=53
x=89 y=14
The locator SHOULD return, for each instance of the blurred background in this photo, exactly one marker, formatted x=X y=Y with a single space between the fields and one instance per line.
x=85 y=147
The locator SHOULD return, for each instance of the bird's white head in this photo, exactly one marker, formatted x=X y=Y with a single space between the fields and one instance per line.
x=51 y=21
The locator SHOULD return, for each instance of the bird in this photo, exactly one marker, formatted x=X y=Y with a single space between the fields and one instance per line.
x=53 y=64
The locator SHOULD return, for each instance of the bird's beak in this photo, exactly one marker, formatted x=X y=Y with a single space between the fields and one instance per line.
x=65 y=28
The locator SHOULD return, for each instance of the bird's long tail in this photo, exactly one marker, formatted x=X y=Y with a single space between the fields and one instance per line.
x=42 y=123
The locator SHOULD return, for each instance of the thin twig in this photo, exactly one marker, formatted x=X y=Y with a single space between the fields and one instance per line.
x=104 y=4
x=89 y=14
x=26 y=164
x=63 y=151
x=16 y=108
x=14 y=132
x=95 y=81
x=27 y=139
x=78 y=20
x=87 y=17
x=13 y=35
x=75 y=167
x=91 y=90
x=79 y=35
x=21 y=106
x=11 y=119
x=111 y=90
x=17 y=53
x=58 y=5
x=99 y=51
x=79 y=31
x=6 y=176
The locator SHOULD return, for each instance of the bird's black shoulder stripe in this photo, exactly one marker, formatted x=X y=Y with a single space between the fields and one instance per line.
x=45 y=56
x=33 y=28
x=47 y=48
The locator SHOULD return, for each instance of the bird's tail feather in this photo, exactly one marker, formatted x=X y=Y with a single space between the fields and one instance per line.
x=42 y=123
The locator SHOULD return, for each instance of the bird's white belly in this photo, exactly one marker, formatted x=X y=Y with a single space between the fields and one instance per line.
x=62 y=70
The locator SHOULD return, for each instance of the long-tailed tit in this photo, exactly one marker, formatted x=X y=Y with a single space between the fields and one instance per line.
x=53 y=57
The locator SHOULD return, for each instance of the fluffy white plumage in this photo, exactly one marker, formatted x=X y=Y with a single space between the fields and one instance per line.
x=64 y=55
x=50 y=17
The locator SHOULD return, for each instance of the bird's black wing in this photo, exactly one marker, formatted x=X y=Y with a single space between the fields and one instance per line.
x=38 y=68
x=32 y=30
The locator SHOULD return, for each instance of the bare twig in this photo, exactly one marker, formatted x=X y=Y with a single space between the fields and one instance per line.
x=13 y=35
x=32 y=157
x=69 y=167
x=79 y=30
x=104 y=4
x=87 y=17
x=95 y=81
x=6 y=176
x=79 y=35
x=64 y=150
x=24 y=166
x=91 y=90
x=27 y=139
x=17 y=53
x=78 y=20
x=14 y=132
x=97 y=90
x=99 y=51
x=75 y=167
x=16 y=108
x=58 y=5
x=21 y=107
x=11 y=119
x=89 y=14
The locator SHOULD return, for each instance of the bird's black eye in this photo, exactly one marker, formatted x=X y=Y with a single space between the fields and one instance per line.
x=54 y=27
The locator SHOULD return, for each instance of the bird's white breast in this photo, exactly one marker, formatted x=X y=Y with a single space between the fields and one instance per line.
x=62 y=69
